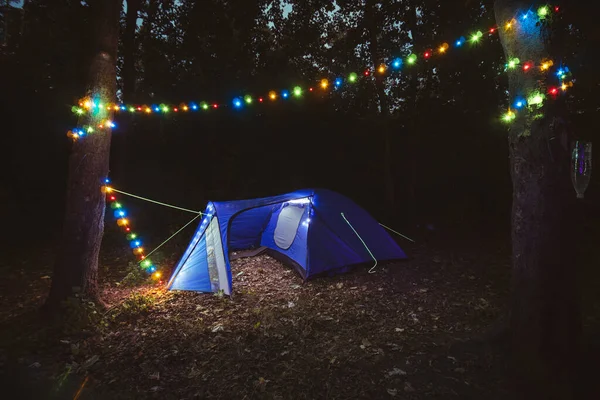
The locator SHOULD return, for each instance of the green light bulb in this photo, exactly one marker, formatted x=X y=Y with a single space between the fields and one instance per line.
x=412 y=59
x=297 y=91
x=248 y=99
x=512 y=63
x=535 y=99
x=352 y=77
x=542 y=12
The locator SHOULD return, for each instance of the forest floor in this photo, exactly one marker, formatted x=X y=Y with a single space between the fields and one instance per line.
x=412 y=330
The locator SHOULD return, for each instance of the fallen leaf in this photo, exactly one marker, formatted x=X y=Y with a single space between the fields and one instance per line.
x=89 y=362
x=396 y=371
x=408 y=387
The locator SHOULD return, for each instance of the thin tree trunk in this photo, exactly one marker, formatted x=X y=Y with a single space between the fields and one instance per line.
x=129 y=75
x=76 y=267
x=371 y=19
x=412 y=141
x=544 y=315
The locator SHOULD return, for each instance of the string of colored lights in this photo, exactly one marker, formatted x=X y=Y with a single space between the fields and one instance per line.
x=535 y=99
x=135 y=242
x=95 y=107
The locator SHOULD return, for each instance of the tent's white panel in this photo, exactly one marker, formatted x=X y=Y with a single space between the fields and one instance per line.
x=287 y=224
x=216 y=258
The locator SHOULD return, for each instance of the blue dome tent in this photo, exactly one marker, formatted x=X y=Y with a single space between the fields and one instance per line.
x=314 y=230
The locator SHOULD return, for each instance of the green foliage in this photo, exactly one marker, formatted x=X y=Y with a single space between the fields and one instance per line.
x=79 y=315
x=136 y=304
x=136 y=276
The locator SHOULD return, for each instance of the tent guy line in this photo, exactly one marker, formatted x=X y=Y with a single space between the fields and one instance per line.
x=172 y=236
x=396 y=232
x=371 y=271
x=111 y=189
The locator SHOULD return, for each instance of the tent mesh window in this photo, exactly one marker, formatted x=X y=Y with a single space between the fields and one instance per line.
x=287 y=224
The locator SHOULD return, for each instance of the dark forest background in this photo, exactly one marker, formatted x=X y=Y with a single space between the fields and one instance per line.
x=450 y=156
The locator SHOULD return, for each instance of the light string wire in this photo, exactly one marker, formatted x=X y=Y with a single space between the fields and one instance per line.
x=363 y=242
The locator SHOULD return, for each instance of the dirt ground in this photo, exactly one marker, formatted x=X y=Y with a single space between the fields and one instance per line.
x=411 y=330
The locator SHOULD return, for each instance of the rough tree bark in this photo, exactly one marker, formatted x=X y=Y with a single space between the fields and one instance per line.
x=76 y=267
x=372 y=24
x=544 y=314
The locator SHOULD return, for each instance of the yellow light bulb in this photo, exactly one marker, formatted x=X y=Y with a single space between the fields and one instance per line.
x=564 y=86
x=185 y=108
x=116 y=108
x=272 y=95
x=139 y=250
x=324 y=83
x=107 y=189
x=148 y=110
x=381 y=68
x=87 y=104
x=156 y=275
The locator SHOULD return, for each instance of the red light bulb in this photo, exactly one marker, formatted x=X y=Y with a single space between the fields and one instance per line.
x=526 y=67
x=310 y=89
x=553 y=90
x=139 y=108
x=112 y=198
x=492 y=30
x=556 y=9
x=367 y=73
x=175 y=109
x=215 y=105
x=427 y=54
x=260 y=99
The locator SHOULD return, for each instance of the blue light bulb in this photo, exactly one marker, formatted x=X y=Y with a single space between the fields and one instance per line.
x=285 y=94
x=237 y=103
x=397 y=63
x=338 y=82
x=520 y=102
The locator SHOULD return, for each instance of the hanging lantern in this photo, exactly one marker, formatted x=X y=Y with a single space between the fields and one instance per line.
x=581 y=166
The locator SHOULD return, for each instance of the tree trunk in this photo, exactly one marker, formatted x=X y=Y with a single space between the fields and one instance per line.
x=371 y=19
x=412 y=140
x=544 y=315
x=76 y=267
